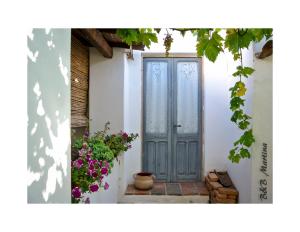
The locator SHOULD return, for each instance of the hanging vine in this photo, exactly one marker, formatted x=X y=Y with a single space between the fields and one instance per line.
x=209 y=44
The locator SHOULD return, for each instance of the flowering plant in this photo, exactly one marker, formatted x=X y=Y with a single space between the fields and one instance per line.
x=117 y=142
x=95 y=160
x=88 y=172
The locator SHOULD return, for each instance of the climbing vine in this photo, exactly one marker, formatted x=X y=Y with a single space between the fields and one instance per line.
x=210 y=43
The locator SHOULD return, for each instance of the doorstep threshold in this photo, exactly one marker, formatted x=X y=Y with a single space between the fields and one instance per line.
x=163 y=199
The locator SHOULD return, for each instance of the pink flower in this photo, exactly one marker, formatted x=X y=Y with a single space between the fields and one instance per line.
x=106 y=186
x=94 y=174
x=107 y=165
x=100 y=163
x=100 y=178
x=104 y=171
x=87 y=200
x=90 y=172
x=91 y=167
x=88 y=157
x=129 y=146
x=76 y=192
x=94 y=187
x=78 y=163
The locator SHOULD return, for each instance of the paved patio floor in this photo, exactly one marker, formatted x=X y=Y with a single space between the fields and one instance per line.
x=172 y=189
x=162 y=192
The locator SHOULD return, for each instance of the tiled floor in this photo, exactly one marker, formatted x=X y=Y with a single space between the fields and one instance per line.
x=175 y=189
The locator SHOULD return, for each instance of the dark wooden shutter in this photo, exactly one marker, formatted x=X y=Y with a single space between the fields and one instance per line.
x=80 y=83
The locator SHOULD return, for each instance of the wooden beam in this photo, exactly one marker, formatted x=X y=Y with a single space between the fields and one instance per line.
x=95 y=37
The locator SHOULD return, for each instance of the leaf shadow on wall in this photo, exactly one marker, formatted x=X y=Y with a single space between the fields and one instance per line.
x=48 y=109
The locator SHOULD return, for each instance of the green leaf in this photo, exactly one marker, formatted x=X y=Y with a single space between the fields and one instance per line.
x=245 y=38
x=212 y=51
x=144 y=36
x=247 y=71
x=233 y=156
x=243 y=71
x=236 y=102
x=232 y=41
x=210 y=47
x=260 y=33
x=236 y=142
x=216 y=36
x=247 y=138
x=201 y=46
x=244 y=153
x=237 y=115
x=243 y=125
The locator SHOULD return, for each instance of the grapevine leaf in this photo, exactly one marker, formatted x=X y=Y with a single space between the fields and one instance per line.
x=243 y=71
x=245 y=38
x=236 y=142
x=212 y=51
x=241 y=90
x=234 y=157
x=232 y=41
x=237 y=115
x=247 y=138
x=247 y=71
x=244 y=153
x=210 y=47
x=201 y=46
x=236 y=102
x=243 y=125
x=259 y=34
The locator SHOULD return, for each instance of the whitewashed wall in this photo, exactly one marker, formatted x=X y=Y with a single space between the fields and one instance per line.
x=241 y=173
x=132 y=114
x=106 y=103
x=48 y=102
x=219 y=131
x=262 y=181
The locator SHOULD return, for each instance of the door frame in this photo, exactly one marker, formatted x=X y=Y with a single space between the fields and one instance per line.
x=201 y=111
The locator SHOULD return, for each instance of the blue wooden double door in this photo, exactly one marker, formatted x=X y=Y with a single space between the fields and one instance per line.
x=172 y=118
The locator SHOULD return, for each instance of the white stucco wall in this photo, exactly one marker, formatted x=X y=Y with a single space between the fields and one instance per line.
x=106 y=103
x=262 y=129
x=132 y=114
x=48 y=108
x=219 y=131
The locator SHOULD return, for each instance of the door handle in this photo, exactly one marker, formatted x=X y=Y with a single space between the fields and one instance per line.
x=176 y=125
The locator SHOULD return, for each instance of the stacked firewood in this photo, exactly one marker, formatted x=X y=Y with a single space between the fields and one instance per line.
x=221 y=188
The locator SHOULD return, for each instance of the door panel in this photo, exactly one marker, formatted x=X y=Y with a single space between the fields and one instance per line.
x=187 y=118
x=162 y=160
x=172 y=118
x=187 y=97
x=156 y=97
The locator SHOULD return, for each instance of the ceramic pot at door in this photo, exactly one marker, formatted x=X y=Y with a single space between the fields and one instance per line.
x=143 y=180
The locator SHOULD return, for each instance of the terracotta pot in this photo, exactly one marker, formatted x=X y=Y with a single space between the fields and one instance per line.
x=143 y=180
